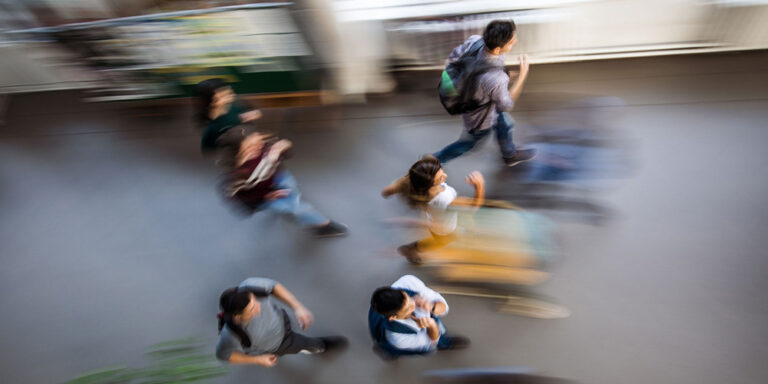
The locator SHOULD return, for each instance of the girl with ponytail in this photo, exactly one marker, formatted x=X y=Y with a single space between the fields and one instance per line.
x=233 y=302
x=424 y=187
x=254 y=330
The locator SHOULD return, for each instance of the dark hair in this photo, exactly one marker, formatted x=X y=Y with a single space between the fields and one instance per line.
x=232 y=302
x=205 y=91
x=498 y=33
x=387 y=301
x=421 y=177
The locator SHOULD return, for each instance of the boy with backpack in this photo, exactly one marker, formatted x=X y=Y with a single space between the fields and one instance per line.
x=404 y=319
x=476 y=85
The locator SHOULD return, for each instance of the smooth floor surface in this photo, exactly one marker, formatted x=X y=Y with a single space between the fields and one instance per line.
x=113 y=238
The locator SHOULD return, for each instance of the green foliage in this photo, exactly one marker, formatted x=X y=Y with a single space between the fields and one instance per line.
x=174 y=361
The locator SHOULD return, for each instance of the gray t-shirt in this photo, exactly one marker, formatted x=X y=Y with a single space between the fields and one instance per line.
x=492 y=88
x=266 y=330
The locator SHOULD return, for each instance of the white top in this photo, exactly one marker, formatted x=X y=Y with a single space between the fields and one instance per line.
x=442 y=220
x=420 y=340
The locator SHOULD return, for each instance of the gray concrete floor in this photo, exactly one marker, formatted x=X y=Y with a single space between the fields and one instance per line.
x=113 y=238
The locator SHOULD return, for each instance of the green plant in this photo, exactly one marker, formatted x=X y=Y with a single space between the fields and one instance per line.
x=174 y=361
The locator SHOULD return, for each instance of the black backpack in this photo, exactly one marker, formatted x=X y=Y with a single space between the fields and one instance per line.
x=459 y=81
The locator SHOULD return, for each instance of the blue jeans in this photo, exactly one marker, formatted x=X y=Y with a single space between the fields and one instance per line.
x=467 y=140
x=292 y=205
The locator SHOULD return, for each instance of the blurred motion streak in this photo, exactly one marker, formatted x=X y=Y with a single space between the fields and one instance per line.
x=580 y=153
x=495 y=251
x=326 y=50
x=505 y=375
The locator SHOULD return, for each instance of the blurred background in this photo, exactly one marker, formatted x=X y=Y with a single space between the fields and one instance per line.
x=130 y=50
x=632 y=247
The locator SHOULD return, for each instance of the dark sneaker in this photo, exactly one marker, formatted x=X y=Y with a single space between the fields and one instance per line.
x=410 y=252
x=312 y=351
x=521 y=155
x=453 y=342
x=334 y=343
x=332 y=229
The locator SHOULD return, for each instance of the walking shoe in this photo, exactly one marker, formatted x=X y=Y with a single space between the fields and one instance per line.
x=453 y=342
x=521 y=155
x=410 y=252
x=312 y=351
x=334 y=343
x=332 y=229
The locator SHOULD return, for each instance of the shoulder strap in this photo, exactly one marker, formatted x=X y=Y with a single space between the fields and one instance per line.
x=378 y=324
x=394 y=326
x=474 y=48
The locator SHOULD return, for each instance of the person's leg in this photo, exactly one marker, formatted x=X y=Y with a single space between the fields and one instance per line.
x=297 y=343
x=449 y=341
x=503 y=129
x=413 y=251
x=434 y=241
x=465 y=142
x=512 y=155
x=292 y=205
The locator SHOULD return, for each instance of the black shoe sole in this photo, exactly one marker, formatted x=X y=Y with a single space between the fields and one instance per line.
x=328 y=235
x=512 y=164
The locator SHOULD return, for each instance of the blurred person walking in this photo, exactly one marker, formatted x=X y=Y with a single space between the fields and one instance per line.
x=404 y=319
x=254 y=330
x=425 y=187
x=259 y=182
x=488 y=86
x=220 y=113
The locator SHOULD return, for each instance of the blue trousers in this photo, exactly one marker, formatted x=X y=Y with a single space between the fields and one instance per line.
x=292 y=205
x=467 y=140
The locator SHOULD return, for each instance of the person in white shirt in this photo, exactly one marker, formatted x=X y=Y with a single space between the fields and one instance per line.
x=424 y=187
x=404 y=319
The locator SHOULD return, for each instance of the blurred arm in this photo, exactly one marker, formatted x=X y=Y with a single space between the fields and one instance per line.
x=303 y=315
x=228 y=349
x=418 y=342
x=475 y=179
x=396 y=186
x=279 y=148
x=266 y=359
x=517 y=86
x=250 y=116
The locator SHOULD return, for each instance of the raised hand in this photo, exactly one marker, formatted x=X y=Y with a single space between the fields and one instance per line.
x=475 y=179
x=524 y=66
x=304 y=317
